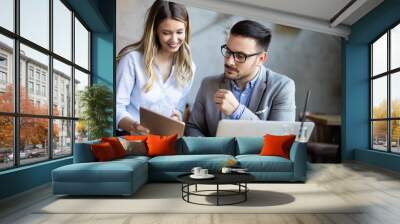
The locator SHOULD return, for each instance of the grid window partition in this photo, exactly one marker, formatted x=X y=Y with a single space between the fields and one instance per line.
x=385 y=91
x=44 y=65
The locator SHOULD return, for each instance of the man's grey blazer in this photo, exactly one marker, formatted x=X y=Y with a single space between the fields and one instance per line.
x=273 y=98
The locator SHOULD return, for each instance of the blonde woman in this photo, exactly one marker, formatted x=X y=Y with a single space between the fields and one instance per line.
x=156 y=72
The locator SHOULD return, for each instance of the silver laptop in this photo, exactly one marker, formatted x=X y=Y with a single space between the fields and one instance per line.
x=247 y=128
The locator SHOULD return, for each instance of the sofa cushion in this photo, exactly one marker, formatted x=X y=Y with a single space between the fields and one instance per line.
x=257 y=163
x=83 y=152
x=185 y=163
x=206 y=145
x=111 y=171
x=93 y=172
x=103 y=152
x=161 y=145
x=116 y=145
x=249 y=145
x=277 y=145
x=131 y=158
x=134 y=147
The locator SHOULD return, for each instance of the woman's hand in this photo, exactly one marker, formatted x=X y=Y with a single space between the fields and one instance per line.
x=138 y=129
x=176 y=115
x=133 y=127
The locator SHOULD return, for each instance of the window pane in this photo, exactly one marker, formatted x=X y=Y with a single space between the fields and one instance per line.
x=81 y=45
x=395 y=47
x=33 y=139
x=62 y=89
x=81 y=81
x=62 y=141
x=34 y=72
x=379 y=55
x=395 y=138
x=395 y=95
x=6 y=142
x=7 y=14
x=81 y=131
x=379 y=97
x=62 y=29
x=35 y=21
x=379 y=135
x=6 y=74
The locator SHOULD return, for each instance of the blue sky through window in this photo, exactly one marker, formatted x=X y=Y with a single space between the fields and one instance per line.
x=35 y=27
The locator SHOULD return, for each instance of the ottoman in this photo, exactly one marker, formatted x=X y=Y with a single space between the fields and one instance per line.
x=119 y=177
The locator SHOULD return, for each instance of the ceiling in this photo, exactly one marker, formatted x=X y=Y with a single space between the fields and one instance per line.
x=321 y=9
x=333 y=17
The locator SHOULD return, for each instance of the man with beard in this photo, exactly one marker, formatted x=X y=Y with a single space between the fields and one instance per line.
x=247 y=90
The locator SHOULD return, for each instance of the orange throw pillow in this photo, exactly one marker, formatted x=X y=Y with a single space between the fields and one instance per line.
x=161 y=145
x=103 y=152
x=116 y=145
x=277 y=145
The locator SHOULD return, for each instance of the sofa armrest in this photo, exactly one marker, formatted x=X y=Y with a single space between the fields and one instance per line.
x=298 y=155
x=83 y=152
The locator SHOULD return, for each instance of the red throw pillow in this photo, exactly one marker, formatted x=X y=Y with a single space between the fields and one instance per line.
x=103 y=152
x=161 y=145
x=116 y=145
x=277 y=145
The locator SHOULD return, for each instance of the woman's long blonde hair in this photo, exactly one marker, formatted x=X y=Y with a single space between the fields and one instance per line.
x=149 y=43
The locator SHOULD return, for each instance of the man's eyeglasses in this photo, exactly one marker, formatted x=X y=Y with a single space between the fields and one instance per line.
x=238 y=56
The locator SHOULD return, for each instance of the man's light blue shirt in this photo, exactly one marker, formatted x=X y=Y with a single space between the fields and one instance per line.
x=242 y=96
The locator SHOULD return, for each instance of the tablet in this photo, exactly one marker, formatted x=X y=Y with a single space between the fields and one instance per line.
x=159 y=124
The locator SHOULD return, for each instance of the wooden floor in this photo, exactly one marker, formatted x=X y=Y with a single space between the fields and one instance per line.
x=377 y=188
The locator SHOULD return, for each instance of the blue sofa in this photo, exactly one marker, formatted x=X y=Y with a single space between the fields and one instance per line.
x=125 y=176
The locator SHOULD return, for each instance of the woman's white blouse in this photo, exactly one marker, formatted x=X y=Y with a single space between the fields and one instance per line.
x=164 y=97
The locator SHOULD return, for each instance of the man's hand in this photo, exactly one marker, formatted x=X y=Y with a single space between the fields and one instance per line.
x=226 y=101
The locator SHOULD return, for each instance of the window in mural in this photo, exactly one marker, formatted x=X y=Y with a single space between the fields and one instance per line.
x=385 y=94
x=44 y=78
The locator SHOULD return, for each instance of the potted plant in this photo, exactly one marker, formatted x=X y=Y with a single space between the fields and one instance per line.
x=96 y=102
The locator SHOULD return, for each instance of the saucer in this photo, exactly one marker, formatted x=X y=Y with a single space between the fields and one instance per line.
x=240 y=171
x=208 y=176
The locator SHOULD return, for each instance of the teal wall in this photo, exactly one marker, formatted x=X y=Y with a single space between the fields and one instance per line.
x=103 y=51
x=99 y=16
x=24 y=178
x=102 y=54
x=355 y=114
x=380 y=159
x=103 y=43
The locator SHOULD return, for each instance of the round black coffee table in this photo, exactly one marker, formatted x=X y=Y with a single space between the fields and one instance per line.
x=238 y=179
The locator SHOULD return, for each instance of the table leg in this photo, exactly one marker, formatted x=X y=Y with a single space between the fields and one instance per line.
x=217 y=194
x=188 y=190
x=245 y=191
x=182 y=188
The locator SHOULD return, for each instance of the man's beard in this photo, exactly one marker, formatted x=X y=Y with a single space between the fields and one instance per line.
x=237 y=76
x=234 y=77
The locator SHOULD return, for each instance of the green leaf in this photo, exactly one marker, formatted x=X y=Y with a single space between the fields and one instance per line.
x=96 y=102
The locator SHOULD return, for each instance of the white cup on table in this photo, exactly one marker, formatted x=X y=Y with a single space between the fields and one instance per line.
x=203 y=172
x=196 y=170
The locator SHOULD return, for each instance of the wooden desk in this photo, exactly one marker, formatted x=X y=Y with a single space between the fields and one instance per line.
x=327 y=127
x=322 y=119
x=326 y=145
